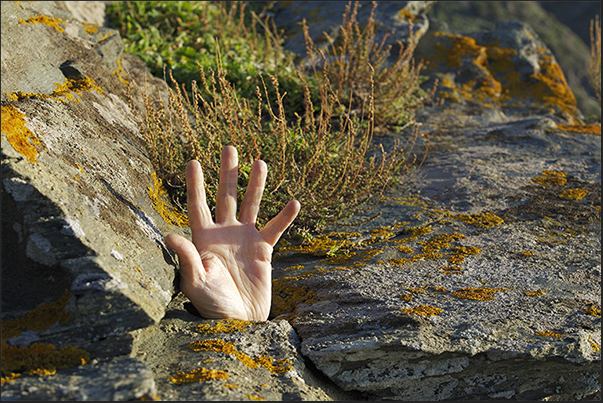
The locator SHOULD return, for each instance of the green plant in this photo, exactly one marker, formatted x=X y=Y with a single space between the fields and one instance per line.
x=304 y=124
x=326 y=169
x=355 y=62
x=594 y=70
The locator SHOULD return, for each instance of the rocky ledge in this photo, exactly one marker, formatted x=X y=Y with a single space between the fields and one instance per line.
x=478 y=278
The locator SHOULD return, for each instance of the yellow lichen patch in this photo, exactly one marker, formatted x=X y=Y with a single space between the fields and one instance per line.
x=9 y=377
x=254 y=397
x=197 y=375
x=457 y=256
x=230 y=386
x=275 y=366
x=424 y=310
x=225 y=326
x=451 y=269
x=42 y=19
x=23 y=140
x=536 y=293
x=286 y=296
x=480 y=220
x=404 y=249
x=40 y=358
x=438 y=288
x=593 y=345
x=91 y=28
x=590 y=129
x=593 y=310
x=120 y=72
x=527 y=253
x=157 y=194
x=406 y=297
x=418 y=290
x=408 y=16
x=556 y=178
x=38 y=319
x=75 y=84
x=573 y=194
x=222 y=347
x=324 y=245
x=477 y=293
x=548 y=333
x=435 y=244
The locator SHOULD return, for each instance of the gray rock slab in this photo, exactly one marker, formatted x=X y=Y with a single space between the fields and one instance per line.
x=116 y=379
x=398 y=314
x=82 y=211
x=165 y=348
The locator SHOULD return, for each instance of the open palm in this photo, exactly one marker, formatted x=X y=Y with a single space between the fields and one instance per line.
x=226 y=270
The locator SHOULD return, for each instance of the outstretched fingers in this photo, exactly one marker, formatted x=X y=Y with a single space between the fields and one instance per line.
x=199 y=215
x=275 y=227
x=253 y=195
x=226 y=203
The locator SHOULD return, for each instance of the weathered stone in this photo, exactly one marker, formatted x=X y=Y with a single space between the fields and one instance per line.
x=117 y=379
x=83 y=215
x=478 y=278
x=475 y=280
x=242 y=360
x=508 y=68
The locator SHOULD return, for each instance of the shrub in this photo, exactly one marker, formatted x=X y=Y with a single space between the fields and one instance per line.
x=304 y=124
x=327 y=169
x=355 y=56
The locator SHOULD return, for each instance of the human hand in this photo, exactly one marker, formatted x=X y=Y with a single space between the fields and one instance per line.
x=226 y=270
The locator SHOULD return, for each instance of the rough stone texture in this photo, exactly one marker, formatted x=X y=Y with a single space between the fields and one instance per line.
x=378 y=309
x=360 y=328
x=80 y=209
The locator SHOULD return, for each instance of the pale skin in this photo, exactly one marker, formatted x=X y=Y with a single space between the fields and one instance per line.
x=226 y=271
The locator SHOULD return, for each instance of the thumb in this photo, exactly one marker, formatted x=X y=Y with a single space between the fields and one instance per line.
x=191 y=267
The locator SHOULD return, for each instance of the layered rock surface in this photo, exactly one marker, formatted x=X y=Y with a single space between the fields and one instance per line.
x=478 y=278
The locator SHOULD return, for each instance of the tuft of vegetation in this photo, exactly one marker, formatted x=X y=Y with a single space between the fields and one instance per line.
x=313 y=127
x=355 y=62
x=594 y=70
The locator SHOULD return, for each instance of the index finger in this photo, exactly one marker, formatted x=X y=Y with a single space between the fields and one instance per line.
x=199 y=215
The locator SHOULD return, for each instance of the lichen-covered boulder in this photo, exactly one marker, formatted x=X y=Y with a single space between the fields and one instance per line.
x=83 y=214
x=508 y=68
x=478 y=279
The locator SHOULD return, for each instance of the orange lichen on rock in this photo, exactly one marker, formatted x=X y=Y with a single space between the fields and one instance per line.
x=555 y=178
x=225 y=326
x=593 y=310
x=197 y=375
x=495 y=80
x=40 y=358
x=477 y=293
x=286 y=296
x=548 y=333
x=170 y=214
x=536 y=293
x=480 y=220
x=573 y=194
x=424 y=310
x=42 y=19
x=590 y=129
x=18 y=135
x=38 y=319
x=451 y=269
x=275 y=366
x=64 y=91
